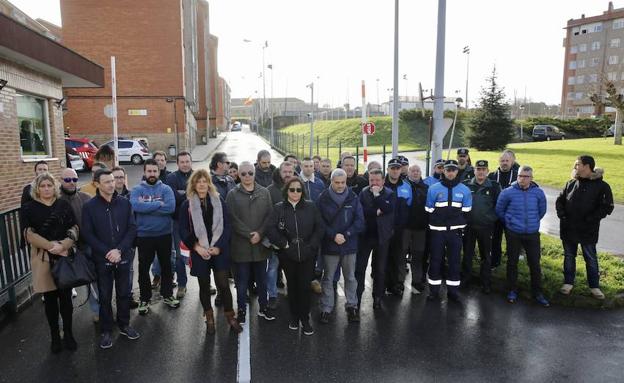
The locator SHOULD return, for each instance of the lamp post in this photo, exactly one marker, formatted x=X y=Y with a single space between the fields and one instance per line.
x=521 y=111
x=395 y=106
x=378 y=105
x=264 y=46
x=467 y=52
x=272 y=141
x=311 y=86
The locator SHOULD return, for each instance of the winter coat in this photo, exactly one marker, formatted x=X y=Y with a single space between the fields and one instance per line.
x=356 y=183
x=521 y=210
x=378 y=226
x=223 y=184
x=505 y=179
x=580 y=207
x=403 y=191
x=466 y=173
x=107 y=226
x=153 y=206
x=275 y=189
x=296 y=230
x=447 y=203
x=164 y=173
x=313 y=189
x=484 y=197
x=418 y=217
x=248 y=212
x=264 y=177
x=432 y=179
x=201 y=267
x=177 y=182
x=76 y=201
x=347 y=220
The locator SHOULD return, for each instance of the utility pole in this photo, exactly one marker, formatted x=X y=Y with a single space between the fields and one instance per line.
x=311 y=86
x=266 y=44
x=438 y=101
x=395 y=105
x=467 y=52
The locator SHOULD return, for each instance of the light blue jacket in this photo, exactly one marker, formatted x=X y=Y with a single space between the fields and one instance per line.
x=153 y=206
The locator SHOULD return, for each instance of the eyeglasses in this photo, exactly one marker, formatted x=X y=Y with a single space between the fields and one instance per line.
x=68 y=180
x=244 y=174
x=523 y=176
x=295 y=190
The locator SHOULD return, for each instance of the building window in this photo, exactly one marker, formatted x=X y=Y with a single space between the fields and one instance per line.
x=579 y=95
x=593 y=77
x=618 y=24
x=580 y=79
x=571 y=80
x=615 y=43
x=572 y=65
x=596 y=28
x=571 y=96
x=32 y=118
x=594 y=61
x=580 y=63
x=574 y=49
x=595 y=45
x=613 y=60
x=612 y=76
x=582 y=47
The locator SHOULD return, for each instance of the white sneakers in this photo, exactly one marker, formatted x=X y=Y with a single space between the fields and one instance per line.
x=595 y=292
x=566 y=289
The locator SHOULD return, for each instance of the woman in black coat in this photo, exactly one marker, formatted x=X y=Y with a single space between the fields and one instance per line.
x=205 y=232
x=295 y=228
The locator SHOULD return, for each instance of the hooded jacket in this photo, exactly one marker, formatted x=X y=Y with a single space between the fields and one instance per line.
x=275 y=189
x=484 y=197
x=379 y=225
x=505 y=179
x=347 y=220
x=581 y=205
x=153 y=206
x=264 y=177
x=521 y=210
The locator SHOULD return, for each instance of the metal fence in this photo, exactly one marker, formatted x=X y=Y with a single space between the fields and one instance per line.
x=14 y=260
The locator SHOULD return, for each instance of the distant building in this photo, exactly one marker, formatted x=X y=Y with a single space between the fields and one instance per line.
x=415 y=103
x=594 y=52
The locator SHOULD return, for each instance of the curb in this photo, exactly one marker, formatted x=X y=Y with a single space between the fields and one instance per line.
x=222 y=138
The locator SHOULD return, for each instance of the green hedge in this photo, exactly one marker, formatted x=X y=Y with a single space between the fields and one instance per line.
x=574 y=128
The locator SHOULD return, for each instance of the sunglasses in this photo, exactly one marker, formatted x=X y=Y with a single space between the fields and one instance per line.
x=295 y=190
x=244 y=174
x=68 y=180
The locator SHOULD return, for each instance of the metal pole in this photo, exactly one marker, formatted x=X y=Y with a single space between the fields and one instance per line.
x=395 y=106
x=467 y=52
x=114 y=96
x=266 y=43
x=271 y=140
x=438 y=105
x=311 y=86
x=448 y=155
x=364 y=133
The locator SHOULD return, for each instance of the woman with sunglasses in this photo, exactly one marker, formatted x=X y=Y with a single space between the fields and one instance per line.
x=205 y=231
x=296 y=229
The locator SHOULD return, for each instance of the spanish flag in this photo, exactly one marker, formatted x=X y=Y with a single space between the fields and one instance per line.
x=248 y=101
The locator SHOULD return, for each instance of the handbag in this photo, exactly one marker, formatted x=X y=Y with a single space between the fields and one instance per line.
x=73 y=271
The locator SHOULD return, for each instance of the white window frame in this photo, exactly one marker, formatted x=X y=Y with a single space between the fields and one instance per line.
x=618 y=24
x=614 y=43
x=580 y=79
x=594 y=61
x=613 y=60
x=571 y=80
x=579 y=95
x=46 y=124
x=612 y=76
x=582 y=47
x=595 y=45
x=572 y=65
x=580 y=63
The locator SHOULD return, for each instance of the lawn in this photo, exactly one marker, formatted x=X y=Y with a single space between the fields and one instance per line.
x=552 y=161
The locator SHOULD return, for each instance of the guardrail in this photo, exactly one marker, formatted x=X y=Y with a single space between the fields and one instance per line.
x=15 y=269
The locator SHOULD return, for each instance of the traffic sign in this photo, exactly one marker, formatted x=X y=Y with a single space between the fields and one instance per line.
x=368 y=128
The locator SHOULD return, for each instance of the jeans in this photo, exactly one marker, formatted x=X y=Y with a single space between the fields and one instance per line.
x=271 y=275
x=447 y=242
x=380 y=259
x=298 y=276
x=591 y=263
x=119 y=276
x=242 y=275
x=482 y=236
x=148 y=246
x=531 y=244
x=331 y=262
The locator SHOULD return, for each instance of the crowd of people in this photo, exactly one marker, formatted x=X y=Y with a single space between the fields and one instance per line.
x=252 y=221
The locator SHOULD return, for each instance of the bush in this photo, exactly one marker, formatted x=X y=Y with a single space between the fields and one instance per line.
x=573 y=128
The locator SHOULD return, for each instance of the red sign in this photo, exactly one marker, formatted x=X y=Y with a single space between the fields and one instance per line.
x=368 y=128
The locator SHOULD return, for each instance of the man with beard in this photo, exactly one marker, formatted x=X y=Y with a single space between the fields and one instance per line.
x=354 y=182
x=153 y=203
x=161 y=159
x=466 y=171
x=219 y=169
x=264 y=169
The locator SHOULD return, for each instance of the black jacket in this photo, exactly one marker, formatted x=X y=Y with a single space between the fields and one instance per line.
x=418 y=217
x=296 y=230
x=275 y=189
x=484 y=197
x=356 y=183
x=264 y=177
x=505 y=179
x=177 y=182
x=223 y=184
x=379 y=226
x=580 y=207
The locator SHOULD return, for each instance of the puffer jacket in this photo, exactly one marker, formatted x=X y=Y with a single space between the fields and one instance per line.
x=521 y=210
x=581 y=205
x=296 y=230
x=484 y=199
x=347 y=220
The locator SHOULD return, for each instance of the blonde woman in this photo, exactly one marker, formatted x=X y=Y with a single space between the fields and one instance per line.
x=50 y=228
x=205 y=231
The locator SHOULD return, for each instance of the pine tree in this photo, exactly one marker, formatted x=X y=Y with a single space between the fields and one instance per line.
x=491 y=127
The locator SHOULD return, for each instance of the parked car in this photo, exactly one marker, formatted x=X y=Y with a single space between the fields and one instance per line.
x=131 y=151
x=547 y=133
x=611 y=131
x=236 y=127
x=74 y=160
x=85 y=148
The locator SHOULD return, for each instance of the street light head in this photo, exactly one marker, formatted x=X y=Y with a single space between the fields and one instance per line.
x=270 y=66
x=458 y=101
x=246 y=40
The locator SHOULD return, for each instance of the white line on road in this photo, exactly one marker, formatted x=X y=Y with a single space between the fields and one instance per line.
x=244 y=355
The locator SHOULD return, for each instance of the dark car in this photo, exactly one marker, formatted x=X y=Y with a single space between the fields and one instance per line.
x=547 y=133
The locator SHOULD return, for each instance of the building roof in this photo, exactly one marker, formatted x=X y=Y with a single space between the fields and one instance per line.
x=25 y=46
x=610 y=14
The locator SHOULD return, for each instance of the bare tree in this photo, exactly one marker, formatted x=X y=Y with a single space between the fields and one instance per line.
x=611 y=98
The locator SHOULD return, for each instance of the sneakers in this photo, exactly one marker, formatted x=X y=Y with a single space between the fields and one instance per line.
x=266 y=313
x=156 y=282
x=307 y=328
x=566 y=289
x=143 y=308
x=181 y=292
x=353 y=315
x=293 y=324
x=316 y=287
x=539 y=298
x=324 y=317
x=272 y=303
x=106 y=340
x=241 y=317
x=512 y=297
x=129 y=333
x=597 y=293
x=172 y=302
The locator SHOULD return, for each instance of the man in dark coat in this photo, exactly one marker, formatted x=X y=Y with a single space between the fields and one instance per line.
x=584 y=201
x=415 y=233
x=354 y=181
x=264 y=169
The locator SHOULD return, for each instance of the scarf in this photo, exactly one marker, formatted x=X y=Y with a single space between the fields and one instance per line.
x=338 y=198
x=198 y=220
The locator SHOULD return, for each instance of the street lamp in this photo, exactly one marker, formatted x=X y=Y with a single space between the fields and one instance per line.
x=406 y=94
x=467 y=52
x=271 y=140
x=377 y=96
x=311 y=86
x=521 y=111
x=264 y=46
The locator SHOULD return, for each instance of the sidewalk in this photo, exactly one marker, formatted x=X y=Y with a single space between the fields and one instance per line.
x=201 y=152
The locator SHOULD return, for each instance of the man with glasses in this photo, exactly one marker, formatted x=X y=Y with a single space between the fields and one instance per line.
x=249 y=207
x=219 y=169
x=447 y=203
x=521 y=207
x=120 y=182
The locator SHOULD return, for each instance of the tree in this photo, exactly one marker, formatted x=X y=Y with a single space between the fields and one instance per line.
x=491 y=128
x=613 y=99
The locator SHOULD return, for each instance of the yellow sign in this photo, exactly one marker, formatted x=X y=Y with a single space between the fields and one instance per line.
x=137 y=112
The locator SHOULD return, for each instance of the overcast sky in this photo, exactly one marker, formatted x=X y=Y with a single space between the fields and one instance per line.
x=339 y=43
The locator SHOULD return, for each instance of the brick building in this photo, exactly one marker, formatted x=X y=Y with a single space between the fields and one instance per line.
x=594 y=53
x=162 y=58
x=33 y=70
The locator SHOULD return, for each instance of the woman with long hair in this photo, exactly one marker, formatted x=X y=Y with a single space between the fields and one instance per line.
x=49 y=226
x=205 y=231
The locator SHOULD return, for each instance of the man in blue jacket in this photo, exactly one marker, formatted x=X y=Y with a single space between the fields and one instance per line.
x=311 y=183
x=448 y=202
x=438 y=169
x=378 y=204
x=343 y=217
x=154 y=203
x=520 y=207
x=109 y=229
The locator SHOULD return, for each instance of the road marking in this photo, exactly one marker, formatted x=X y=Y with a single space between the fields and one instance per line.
x=340 y=290
x=244 y=355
